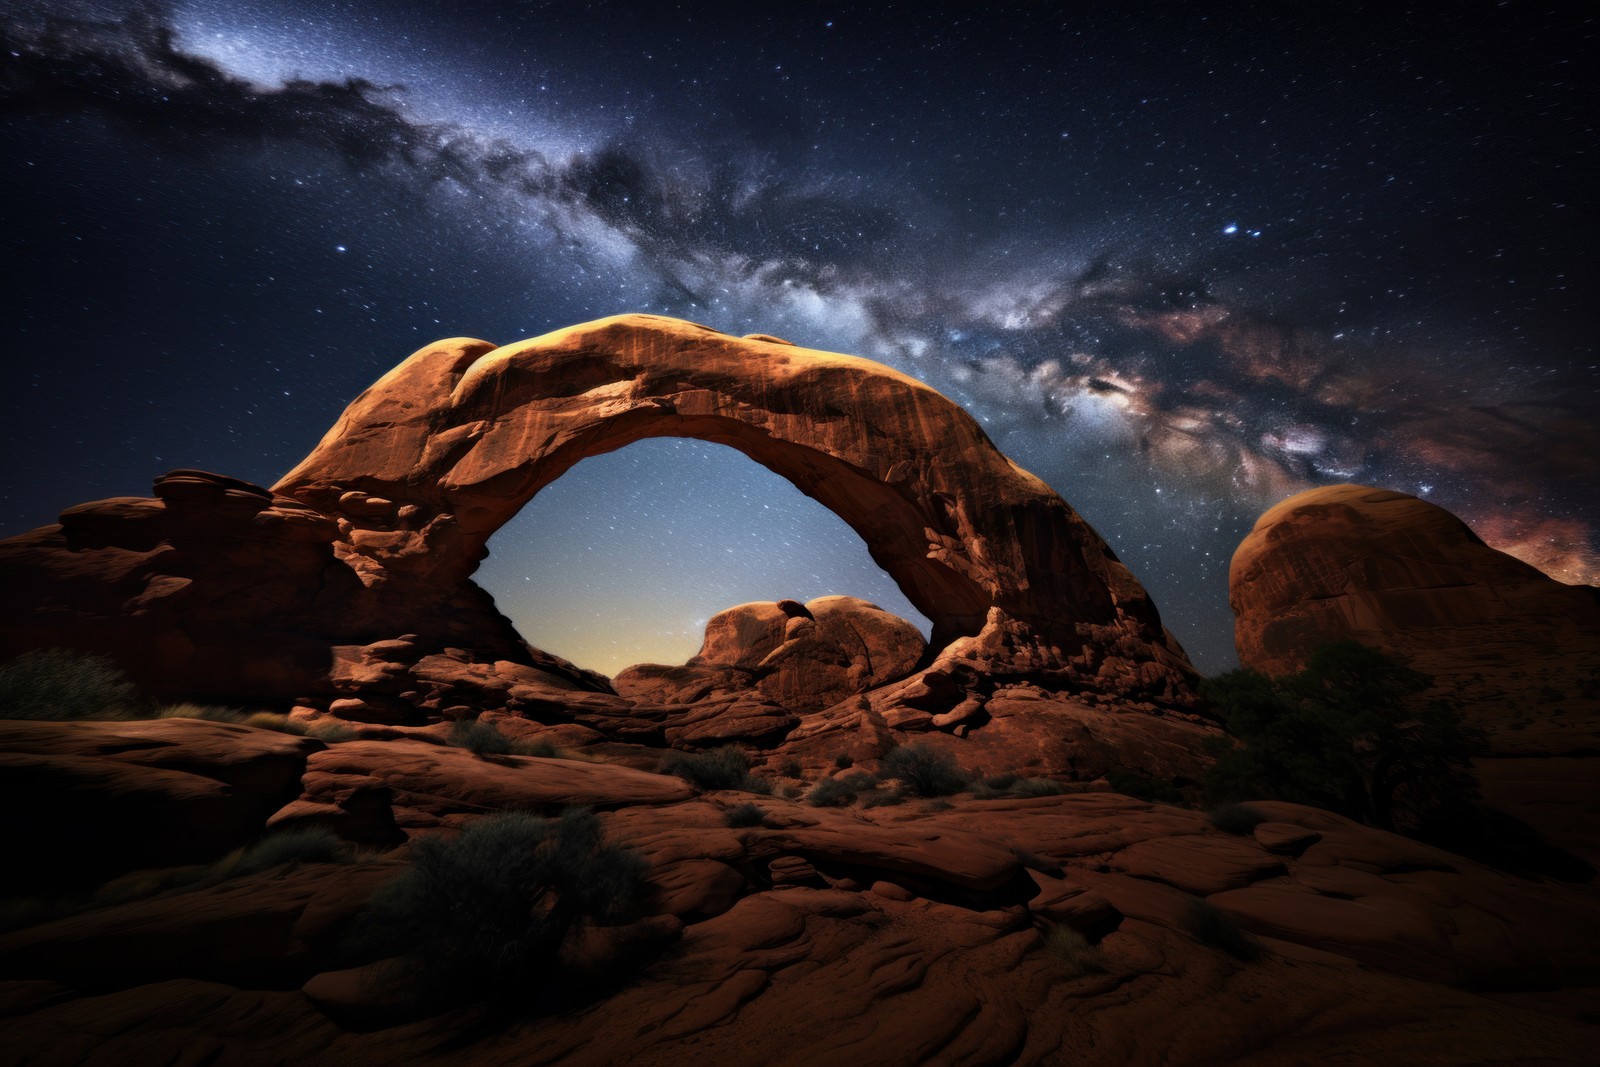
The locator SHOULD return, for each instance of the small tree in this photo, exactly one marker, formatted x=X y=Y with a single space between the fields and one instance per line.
x=1350 y=733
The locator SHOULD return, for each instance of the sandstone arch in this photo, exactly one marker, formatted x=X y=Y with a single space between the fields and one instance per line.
x=428 y=463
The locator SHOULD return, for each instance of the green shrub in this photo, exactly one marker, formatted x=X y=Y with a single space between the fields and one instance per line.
x=745 y=815
x=841 y=791
x=1350 y=733
x=1141 y=787
x=1036 y=787
x=1078 y=957
x=308 y=845
x=1237 y=819
x=206 y=712
x=832 y=792
x=59 y=683
x=541 y=747
x=843 y=761
x=479 y=737
x=923 y=771
x=790 y=768
x=1209 y=925
x=720 y=768
x=485 y=914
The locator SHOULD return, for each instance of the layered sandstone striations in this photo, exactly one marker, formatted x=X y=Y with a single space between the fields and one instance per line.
x=423 y=468
x=345 y=590
x=1008 y=930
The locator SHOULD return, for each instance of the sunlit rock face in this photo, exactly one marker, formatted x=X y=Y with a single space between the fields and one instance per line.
x=424 y=467
x=346 y=589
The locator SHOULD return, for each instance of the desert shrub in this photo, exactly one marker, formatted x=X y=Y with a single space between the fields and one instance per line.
x=485 y=914
x=923 y=771
x=259 y=720
x=790 y=768
x=308 y=845
x=1350 y=733
x=1209 y=925
x=880 y=798
x=745 y=815
x=207 y=712
x=59 y=683
x=1036 y=787
x=479 y=737
x=843 y=761
x=841 y=791
x=1237 y=819
x=720 y=768
x=540 y=746
x=1077 y=956
x=330 y=733
x=1142 y=787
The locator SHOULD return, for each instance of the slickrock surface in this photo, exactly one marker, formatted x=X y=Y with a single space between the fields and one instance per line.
x=903 y=934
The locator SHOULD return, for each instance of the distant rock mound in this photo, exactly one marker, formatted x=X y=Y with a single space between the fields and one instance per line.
x=1409 y=578
x=802 y=656
x=1518 y=651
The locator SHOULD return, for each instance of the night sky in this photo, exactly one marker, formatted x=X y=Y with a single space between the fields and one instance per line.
x=1180 y=265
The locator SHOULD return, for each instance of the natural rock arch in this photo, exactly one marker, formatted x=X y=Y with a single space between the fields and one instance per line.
x=429 y=462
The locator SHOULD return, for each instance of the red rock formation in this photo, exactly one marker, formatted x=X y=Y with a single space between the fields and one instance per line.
x=1520 y=650
x=346 y=589
x=804 y=657
x=903 y=934
x=423 y=468
x=1517 y=651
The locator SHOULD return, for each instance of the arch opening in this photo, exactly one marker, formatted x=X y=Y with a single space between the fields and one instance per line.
x=624 y=557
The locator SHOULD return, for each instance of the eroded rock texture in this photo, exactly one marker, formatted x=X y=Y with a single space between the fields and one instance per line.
x=1407 y=577
x=426 y=465
x=345 y=590
x=1076 y=929
x=1518 y=651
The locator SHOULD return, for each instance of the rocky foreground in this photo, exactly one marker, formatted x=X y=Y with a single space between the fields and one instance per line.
x=925 y=931
x=158 y=909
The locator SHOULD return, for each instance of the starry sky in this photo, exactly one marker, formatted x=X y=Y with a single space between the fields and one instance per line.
x=1181 y=260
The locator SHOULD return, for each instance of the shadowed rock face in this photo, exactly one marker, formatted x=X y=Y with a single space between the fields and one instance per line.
x=426 y=465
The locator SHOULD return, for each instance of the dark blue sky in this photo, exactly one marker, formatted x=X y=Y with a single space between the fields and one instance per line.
x=1180 y=262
